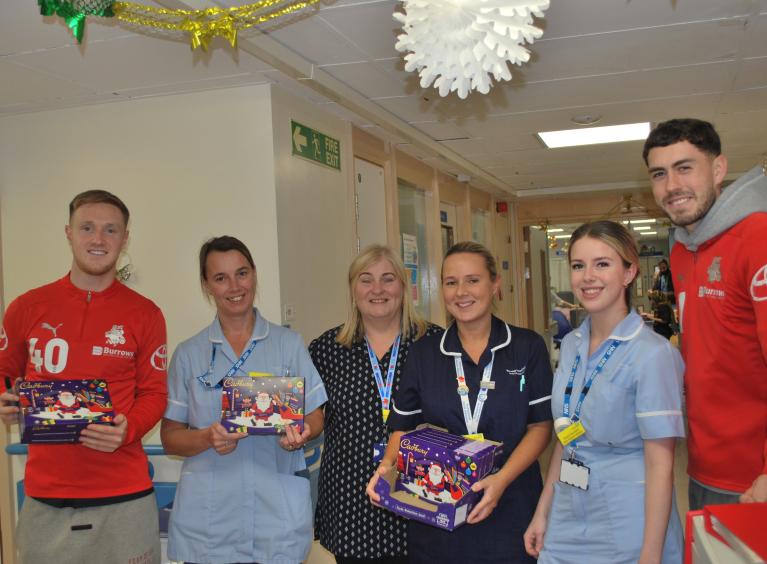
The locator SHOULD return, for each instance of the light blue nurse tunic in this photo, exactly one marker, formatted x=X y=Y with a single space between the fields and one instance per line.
x=251 y=505
x=637 y=396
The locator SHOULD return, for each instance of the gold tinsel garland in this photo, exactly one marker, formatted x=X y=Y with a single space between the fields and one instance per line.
x=201 y=25
x=204 y=25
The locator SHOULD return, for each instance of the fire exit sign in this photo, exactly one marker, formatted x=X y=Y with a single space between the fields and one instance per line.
x=315 y=146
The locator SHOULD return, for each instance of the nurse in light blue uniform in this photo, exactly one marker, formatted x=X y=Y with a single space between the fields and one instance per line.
x=608 y=496
x=240 y=498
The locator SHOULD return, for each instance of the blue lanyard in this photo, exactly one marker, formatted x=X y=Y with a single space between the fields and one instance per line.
x=384 y=388
x=587 y=384
x=231 y=372
x=472 y=419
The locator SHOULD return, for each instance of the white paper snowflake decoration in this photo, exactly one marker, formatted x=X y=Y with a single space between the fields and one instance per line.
x=458 y=44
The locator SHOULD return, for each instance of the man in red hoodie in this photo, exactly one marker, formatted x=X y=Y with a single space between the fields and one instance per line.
x=719 y=266
x=93 y=500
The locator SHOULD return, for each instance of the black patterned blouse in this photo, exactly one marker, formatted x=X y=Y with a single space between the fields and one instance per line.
x=346 y=523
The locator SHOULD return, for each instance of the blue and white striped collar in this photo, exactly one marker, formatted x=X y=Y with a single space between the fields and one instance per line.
x=627 y=329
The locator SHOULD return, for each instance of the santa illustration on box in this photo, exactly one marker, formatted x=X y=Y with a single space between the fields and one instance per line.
x=263 y=409
x=67 y=403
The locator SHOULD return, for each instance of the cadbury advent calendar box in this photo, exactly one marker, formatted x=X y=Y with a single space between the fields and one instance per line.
x=434 y=474
x=55 y=411
x=262 y=404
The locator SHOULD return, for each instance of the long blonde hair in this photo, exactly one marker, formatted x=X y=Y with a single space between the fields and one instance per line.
x=353 y=329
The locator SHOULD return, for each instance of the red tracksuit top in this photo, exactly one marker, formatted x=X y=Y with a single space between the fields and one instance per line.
x=722 y=296
x=58 y=331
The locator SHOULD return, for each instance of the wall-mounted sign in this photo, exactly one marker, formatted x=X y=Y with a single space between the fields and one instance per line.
x=315 y=146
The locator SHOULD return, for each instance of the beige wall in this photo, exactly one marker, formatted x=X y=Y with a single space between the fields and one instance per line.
x=315 y=213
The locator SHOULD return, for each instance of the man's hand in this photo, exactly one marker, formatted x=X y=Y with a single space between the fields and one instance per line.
x=757 y=493
x=9 y=408
x=105 y=438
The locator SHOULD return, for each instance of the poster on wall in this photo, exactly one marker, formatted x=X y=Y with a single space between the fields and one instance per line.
x=412 y=274
x=410 y=258
x=410 y=250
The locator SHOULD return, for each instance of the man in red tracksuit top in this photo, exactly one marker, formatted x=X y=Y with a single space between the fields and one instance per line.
x=720 y=278
x=92 y=501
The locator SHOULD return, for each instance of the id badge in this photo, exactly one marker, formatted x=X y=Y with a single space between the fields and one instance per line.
x=575 y=473
x=570 y=433
x=378 y=451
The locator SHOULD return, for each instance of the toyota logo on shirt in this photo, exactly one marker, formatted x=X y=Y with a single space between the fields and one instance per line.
x=159 y=358
x=759 y=285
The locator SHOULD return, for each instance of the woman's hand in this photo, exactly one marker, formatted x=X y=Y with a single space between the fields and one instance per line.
x=382 y=469
x=294 y=439
x=493 y=486
x=534 y=534
x=221 y=440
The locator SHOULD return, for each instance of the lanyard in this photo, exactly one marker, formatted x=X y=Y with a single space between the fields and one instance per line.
x=472 y=420
x=384 y=388
x=231 y=372
x=587 y=384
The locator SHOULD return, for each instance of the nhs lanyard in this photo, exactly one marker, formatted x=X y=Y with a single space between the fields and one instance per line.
x=472 y=420
x=231 y=372
x=587 y=384
x=384 y=388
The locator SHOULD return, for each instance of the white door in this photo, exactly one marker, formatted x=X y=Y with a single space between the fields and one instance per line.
x=371 y=203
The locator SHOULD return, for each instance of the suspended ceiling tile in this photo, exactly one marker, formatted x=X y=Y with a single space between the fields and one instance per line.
x=745 y=100
x=441 y=130
x=317 y=42
x=370 y=26
x=133 y=62
x=367 y=78
x=752 y=74
x=633 y=50
x=756 y=44
x=595 y=16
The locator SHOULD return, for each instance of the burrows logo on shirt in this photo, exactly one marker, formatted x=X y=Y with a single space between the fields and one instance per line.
x=759 y=285
x=114 y=338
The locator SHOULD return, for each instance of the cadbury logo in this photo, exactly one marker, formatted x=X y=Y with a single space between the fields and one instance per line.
x=229 y=382
x=34 y=385
x=405 y=443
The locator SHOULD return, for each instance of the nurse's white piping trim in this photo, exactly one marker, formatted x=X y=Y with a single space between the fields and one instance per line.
x=177 y=402
x=540 y=400
x=656 y=413
x=627 y=337
x=495 y=348
x=394 y=407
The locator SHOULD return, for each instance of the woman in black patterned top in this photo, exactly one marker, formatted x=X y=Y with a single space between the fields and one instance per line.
x=360 y=363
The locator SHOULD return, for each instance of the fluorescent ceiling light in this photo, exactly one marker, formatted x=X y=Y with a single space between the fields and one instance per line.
x=635 y=221
x=625 y=222
x=594 y=135
x=641 y=227
x=555 y=230
x=563 y=236
x=649 y=233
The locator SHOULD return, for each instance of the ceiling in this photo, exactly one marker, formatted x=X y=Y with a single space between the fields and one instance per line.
x=624 y=60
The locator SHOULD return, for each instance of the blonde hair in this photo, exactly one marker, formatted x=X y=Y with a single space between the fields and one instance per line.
x=353 y=329
x=616 y=236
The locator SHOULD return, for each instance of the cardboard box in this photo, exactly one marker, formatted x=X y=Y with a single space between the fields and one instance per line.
x=56 y=411
x=434 y=474
x=262 y=405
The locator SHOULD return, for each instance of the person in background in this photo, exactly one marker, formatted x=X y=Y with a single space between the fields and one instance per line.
x=484 y=378
x=92 y=501
x=664 y=282
x=360 y=363
x=617 y=399
x=240 y=498
x=720 y=279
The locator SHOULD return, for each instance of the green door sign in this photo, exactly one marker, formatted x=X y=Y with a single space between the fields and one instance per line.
x=315 y=146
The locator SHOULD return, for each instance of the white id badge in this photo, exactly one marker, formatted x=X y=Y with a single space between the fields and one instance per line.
x=574 y=473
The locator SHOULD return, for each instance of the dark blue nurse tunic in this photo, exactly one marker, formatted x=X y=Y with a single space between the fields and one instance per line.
x=522 y=395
